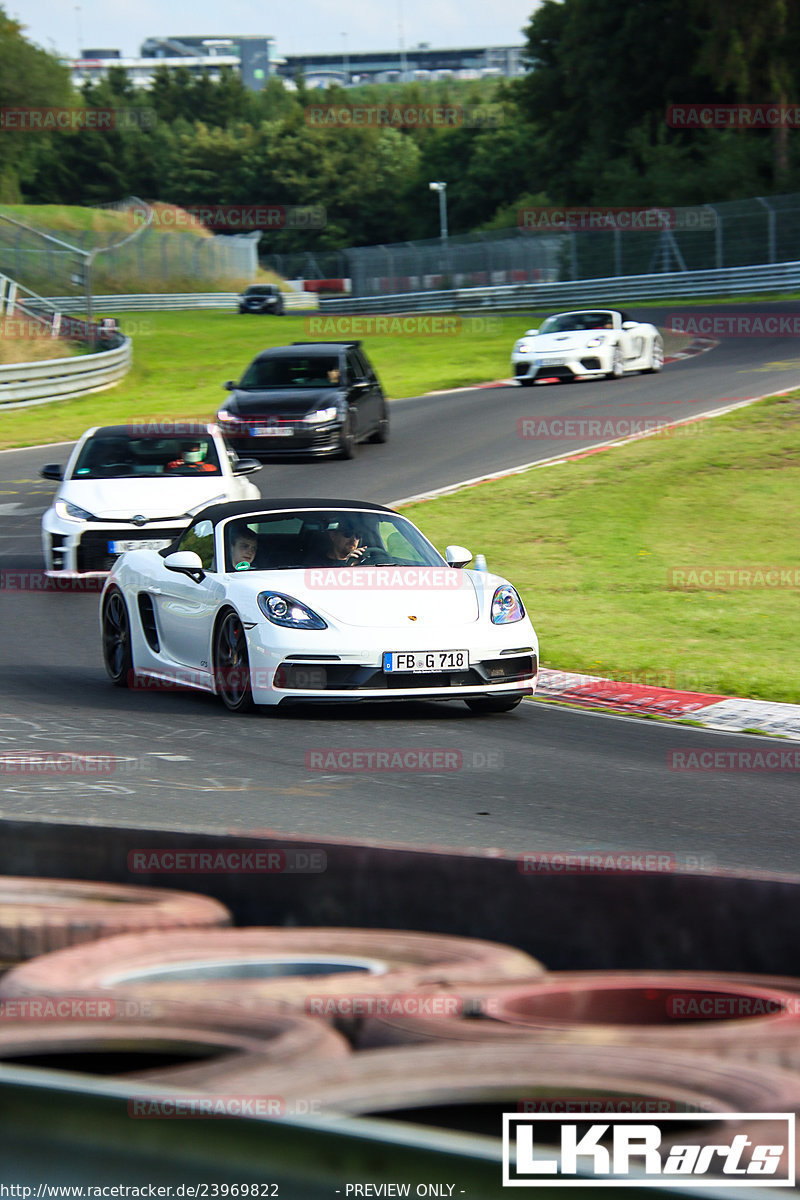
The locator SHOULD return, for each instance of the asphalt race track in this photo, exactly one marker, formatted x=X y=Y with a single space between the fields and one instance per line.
x=541 y=778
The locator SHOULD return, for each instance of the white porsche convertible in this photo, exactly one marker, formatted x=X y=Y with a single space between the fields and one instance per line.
x=594 y=343
x=337 y=600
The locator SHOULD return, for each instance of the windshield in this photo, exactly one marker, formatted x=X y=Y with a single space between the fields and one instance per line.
x=292 y=371
x=578 y=321
x=291 y=541
x=115 y=456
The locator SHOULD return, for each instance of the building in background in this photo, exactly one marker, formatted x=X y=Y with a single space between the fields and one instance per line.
x=251 y=55
x=254 y=56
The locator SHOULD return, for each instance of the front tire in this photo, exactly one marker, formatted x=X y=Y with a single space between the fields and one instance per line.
x=381 y=434
x=347 y=439
x=117 y=653
x=657 y=358
x=493 y=704
x=616 y=365
x=232 y=665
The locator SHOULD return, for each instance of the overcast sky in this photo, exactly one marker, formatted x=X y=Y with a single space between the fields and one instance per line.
x=304 y=25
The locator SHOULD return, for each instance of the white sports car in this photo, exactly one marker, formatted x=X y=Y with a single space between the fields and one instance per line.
x=296 y=600
x=130 y=487
x=595 y=343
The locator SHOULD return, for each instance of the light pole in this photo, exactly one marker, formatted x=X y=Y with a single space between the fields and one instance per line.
x=345 y=67
x=441 y=188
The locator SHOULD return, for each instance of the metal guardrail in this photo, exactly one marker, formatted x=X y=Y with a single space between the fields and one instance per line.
x=168 y=301
x=730 y=281
x=63 y=378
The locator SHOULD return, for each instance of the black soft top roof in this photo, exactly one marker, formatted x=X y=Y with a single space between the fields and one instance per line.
x=245 y=508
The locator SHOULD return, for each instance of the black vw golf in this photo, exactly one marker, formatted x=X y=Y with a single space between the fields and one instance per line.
x=310 y=398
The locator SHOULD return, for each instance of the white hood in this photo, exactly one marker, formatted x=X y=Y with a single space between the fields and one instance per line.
x=121 y=499
x=560 y=343
x=373 y=597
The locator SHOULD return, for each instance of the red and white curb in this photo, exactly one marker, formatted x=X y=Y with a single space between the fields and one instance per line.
x=729 y=713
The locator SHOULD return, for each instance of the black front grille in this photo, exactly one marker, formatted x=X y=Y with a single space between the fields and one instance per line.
x=93 y=551
x=591 y=364
x=343 y=677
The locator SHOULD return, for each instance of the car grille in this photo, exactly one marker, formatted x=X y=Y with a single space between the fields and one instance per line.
x=344 y=677
x=93 y=551
x=591 y=364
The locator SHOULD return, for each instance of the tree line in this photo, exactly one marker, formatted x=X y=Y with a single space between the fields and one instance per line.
x=587 y=124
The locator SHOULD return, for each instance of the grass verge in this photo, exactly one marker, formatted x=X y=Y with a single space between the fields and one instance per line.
x=641 y=563
x=181 y=359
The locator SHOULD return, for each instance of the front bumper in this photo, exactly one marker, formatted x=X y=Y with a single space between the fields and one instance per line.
x=292 y=674
x=303 y=440
x=84 y=548
x=552 y=367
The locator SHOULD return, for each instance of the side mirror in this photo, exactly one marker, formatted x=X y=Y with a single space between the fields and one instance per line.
x=229 y=385
x=530 y=333
x=245 y=466
x=629 y=324
x=186 y=562
x=457 y=556
x=52 y=471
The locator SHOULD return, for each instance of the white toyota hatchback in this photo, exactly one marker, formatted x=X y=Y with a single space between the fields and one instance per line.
x=136 y=486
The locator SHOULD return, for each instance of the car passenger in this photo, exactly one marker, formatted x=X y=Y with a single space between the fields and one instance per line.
x=244 y=545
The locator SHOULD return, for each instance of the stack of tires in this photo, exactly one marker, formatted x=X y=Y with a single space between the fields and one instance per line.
x=157 y=988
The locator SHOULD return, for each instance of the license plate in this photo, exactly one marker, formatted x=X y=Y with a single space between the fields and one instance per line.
x=270 y=431
x=422 y=662
x=550 y=362
x=146 y=544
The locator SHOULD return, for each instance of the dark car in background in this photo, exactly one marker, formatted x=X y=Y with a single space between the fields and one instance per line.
x=310 y=398
x=262 y=298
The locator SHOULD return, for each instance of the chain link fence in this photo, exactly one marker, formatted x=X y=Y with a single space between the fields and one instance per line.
x=570 y=244
x=123 y=253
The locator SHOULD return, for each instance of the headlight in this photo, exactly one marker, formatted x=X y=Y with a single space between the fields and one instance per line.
x=597 y=340
x=322 y=415
x=288 y=612
x=525 y=346
x=72 y=512
x=506 y=606
x=225 y=415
